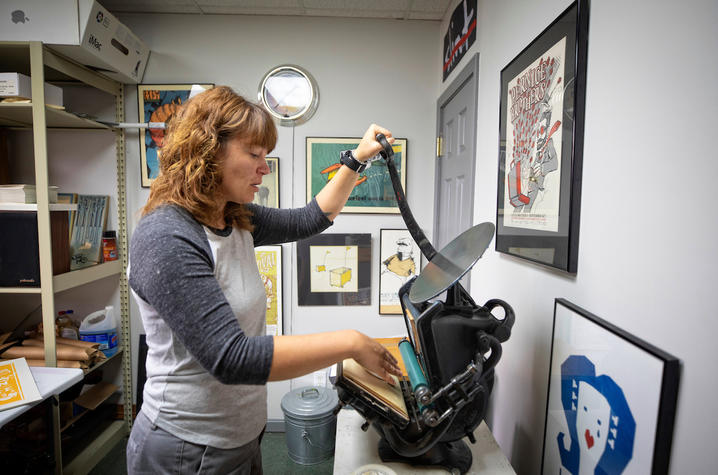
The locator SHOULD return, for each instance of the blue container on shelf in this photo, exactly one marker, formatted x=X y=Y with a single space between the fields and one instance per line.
x=100 y=327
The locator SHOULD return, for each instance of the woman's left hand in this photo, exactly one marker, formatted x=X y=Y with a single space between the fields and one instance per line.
x=368 y=147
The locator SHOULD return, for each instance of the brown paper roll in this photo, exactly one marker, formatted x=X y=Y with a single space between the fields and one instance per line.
x=60 y=363
x=38 y=353
x=39 y=343
x=80 y=343
x=61 y=341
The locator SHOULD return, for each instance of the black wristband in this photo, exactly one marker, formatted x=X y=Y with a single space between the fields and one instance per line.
x=347 y=158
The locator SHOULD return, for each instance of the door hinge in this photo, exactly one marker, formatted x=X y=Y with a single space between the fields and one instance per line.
x=439 y=146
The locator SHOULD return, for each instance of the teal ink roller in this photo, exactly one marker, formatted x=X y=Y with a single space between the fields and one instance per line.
x=419 y=386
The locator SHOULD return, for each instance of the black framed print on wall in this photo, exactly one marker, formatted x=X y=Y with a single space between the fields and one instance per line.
x=541 y=122
x=334 y=269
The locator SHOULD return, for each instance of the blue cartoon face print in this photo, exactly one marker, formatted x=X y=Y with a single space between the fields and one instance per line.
x=600 y=423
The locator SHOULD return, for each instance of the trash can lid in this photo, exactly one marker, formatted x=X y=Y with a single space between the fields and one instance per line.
x=309 y=402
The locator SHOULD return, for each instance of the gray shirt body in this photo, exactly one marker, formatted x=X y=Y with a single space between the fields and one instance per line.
x=203 y=305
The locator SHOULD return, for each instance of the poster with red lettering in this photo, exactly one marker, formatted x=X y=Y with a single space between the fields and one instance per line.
x=533 y=143
x=541 y=120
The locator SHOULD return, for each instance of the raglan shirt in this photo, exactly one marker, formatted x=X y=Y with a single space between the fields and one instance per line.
x=203 y=307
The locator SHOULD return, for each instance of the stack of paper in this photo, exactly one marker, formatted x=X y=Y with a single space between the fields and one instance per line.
x=24 y=193
x=389 y=394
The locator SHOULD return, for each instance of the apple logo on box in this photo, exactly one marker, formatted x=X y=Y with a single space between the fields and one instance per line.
x=18 y=16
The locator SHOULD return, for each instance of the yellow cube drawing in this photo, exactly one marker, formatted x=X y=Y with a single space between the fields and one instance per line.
x=340 y=276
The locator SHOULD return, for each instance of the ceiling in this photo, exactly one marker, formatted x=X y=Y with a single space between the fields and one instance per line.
x=432 y=10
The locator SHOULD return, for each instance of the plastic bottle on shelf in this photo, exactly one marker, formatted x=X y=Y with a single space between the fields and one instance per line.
x=65 y=325
x=109 y=246
x=100 y=327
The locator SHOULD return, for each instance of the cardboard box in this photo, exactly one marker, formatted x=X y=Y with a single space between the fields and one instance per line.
x=19 y=85
x=82 y=30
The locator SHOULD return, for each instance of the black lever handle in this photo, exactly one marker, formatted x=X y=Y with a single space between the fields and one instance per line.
x=387 y=151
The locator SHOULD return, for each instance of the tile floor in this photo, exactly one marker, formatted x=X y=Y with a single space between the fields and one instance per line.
x=275 y=459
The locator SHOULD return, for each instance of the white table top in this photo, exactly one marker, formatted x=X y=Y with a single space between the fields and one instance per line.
x=49 y=381
x=355 y=448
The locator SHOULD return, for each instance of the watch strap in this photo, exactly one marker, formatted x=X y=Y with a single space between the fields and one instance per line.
x=347 y=158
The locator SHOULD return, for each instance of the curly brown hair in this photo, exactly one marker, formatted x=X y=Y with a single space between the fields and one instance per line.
x=190 y=173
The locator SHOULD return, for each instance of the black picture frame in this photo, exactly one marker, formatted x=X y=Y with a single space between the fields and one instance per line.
x=326 y=266
x=541 y=125
x=609 y=392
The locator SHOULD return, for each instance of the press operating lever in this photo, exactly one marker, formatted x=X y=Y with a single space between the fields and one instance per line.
x=387 y=154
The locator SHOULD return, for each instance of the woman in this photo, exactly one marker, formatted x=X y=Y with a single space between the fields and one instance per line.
x=194 y=276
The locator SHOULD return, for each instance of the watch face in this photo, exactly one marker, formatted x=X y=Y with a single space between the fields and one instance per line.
x=289 y=94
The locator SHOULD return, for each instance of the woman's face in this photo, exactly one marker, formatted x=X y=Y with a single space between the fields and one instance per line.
x=243 y=166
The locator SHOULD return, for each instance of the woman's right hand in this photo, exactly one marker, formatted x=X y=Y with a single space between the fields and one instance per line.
x=373 y=356
x=369 y=146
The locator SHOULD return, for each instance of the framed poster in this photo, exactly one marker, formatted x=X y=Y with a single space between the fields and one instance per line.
x=269 y=264
x=157 y=103
x=268 y=194
x=541 y=122
x=459 y=37
x=334 y=269
x=611 y=399
x=373 y=192
x=400 y=260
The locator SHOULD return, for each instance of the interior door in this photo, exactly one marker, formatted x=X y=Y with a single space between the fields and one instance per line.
x=454 y=187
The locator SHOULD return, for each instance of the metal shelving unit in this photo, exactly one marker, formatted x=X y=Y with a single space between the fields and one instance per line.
x=32 y=58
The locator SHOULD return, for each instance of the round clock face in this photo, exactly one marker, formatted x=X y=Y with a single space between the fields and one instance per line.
x=289 y=94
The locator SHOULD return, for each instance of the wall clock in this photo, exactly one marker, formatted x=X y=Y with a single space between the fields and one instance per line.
x=290 y=94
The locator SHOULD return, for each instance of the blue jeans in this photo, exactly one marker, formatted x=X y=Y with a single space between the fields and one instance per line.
x=152 y=450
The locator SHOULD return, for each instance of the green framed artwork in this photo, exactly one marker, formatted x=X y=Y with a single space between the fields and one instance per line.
x=373 y=192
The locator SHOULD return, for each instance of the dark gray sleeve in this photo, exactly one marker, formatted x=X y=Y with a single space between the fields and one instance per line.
x=275 y=226
x=171 y=268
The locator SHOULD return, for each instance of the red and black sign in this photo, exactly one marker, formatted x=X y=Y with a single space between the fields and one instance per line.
x=460 y=35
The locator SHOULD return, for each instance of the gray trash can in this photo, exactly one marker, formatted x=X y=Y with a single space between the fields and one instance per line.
x=310 y=424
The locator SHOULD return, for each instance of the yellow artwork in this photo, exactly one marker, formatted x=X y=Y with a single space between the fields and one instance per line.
x=10 y=388
x=16 y=384
x=333 y=268
x=340 y=276
x=269 y=264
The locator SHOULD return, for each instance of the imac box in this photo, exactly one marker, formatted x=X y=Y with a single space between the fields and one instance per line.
x=82 y=30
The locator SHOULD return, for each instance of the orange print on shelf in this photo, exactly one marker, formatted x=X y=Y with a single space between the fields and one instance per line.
x=10 y=389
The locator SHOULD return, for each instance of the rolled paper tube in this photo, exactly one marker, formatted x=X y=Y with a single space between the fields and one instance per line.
x=63 y=341
x=97 y=356
x=416 y=375
x=60 y=363
x=80 y=343
x=89 y=351
x=38 y=353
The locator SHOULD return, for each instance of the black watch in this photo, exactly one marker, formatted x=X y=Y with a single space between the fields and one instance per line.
x=347 y=158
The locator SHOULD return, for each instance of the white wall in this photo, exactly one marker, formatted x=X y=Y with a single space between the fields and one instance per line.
x=647 y=250
x=381 y=71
